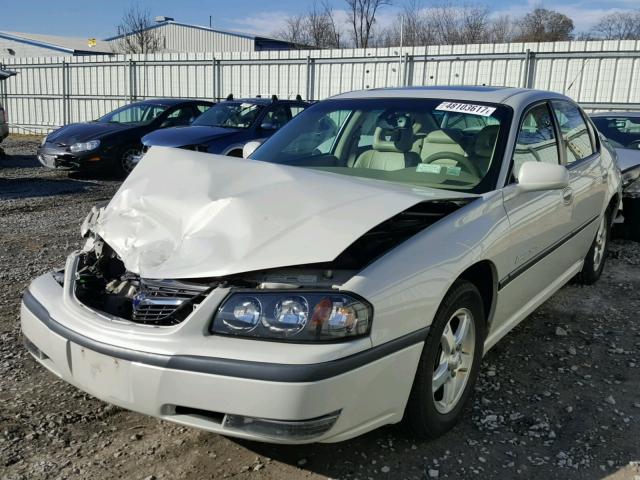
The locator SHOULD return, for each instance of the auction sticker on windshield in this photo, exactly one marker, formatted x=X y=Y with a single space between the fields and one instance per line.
x=466 y=108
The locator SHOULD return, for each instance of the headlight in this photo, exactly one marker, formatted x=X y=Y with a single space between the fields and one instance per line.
x=84 y=146
x=294 y=316
x=630 y=181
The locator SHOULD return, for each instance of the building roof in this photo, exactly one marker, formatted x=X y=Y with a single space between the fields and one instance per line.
x=76 y=46
x=199 y=27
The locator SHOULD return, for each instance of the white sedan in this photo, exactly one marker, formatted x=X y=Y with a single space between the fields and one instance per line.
x=350 y=275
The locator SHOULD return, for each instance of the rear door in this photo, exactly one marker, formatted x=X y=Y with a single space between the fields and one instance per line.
x=580 y=153
x=540 y=222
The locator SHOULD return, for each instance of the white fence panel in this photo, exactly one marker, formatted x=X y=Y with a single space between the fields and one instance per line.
x=49 y=92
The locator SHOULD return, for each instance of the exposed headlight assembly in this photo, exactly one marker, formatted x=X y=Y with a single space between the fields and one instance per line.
x=84 y=146
x=294 y=316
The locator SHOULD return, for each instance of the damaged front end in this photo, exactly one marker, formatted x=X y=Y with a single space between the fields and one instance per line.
x=103 y=284
x=274 y=302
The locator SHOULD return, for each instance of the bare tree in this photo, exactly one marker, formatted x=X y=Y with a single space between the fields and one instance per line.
x=362 y=17
x=618 y=26
x=447 y=24
x=317 y=28
x=542 y=25
x=137 y=36
x=502 y=29
x=322 y=26
x=294 y=31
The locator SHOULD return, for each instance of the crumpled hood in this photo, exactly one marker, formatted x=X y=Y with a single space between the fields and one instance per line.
x=183 y=214
x=186 y=135
x=83 y=132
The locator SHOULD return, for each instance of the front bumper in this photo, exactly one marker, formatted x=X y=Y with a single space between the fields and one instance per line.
x=362 y=391
x=59 y=158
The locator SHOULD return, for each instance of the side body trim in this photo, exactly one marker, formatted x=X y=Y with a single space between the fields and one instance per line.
x=544 y=253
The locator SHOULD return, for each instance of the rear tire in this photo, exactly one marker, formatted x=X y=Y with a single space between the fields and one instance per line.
x=597 y=255
x=449 y=364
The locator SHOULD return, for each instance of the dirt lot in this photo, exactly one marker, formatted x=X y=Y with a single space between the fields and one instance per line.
x=558 y=398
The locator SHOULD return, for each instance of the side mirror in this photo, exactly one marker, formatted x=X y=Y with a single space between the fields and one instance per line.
x=268 y=126
x=539 y=176
x=250 y=147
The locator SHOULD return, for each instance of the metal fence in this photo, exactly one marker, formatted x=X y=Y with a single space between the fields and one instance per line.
x=49 y=92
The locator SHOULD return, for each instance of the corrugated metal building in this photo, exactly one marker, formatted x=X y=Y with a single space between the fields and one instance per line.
x=19 y=44
x=182 y=37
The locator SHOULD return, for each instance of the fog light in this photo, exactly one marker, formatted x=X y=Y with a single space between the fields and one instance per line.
x=282 y=429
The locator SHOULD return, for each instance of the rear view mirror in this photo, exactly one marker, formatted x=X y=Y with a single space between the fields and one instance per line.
x=539 y=176
x=250 y=147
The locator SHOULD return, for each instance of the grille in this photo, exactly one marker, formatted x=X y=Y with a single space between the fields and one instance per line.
x=165 y=302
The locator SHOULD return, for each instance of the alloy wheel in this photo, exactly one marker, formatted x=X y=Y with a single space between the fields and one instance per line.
x=127 y=160
x=454 y=361
x=600 y=243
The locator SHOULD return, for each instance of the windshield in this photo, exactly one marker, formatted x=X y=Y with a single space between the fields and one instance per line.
x=425 y=142
x=141 y=113
x=621 y=131
x=229 y=115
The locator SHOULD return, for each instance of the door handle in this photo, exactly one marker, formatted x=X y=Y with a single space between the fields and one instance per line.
x=567 y=195
x=605 y=175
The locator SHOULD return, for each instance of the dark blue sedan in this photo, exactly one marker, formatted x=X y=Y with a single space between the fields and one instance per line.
x=225 y=128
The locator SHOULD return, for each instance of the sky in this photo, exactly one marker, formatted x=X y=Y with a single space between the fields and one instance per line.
x=98 y=18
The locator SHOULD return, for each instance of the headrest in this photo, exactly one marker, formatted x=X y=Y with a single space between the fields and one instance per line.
x=422 y=123
x=486 y=140
x=392 y=139
x=440 y=136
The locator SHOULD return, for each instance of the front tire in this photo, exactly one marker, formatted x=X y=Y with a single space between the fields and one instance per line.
x=125 y=164
x=449 y=363
x=597 y=255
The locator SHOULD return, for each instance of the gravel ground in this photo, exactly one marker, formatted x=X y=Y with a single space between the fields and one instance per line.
x=557 y=398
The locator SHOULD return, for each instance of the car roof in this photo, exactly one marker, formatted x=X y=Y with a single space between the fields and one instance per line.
x=506 y=95
x=170 y=102
x=635 y=114
x=262 y=100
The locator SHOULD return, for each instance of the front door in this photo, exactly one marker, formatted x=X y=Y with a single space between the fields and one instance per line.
x=540 y=222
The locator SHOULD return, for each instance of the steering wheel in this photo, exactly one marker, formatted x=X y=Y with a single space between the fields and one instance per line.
x=460 y=159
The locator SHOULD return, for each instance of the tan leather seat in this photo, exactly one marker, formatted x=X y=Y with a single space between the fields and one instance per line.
x=484 y=146
x=422 y=125
x=440 y=141
x=391 y=150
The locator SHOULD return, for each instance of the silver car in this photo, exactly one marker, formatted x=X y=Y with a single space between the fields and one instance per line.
x=622 y=131
x=351 y=274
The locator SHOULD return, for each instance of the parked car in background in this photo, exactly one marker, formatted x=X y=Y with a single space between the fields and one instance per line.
x=4 y=117
x=351 y=274
x=622 y=130
x=4 y=124
x=111 y=142
x=228 y=126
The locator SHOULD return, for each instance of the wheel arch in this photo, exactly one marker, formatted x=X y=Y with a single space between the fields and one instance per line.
x=483 y=275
